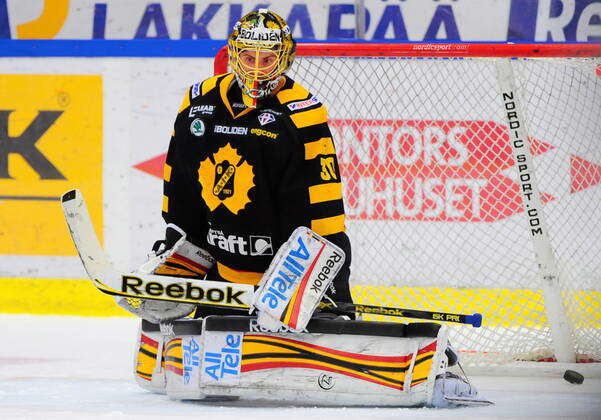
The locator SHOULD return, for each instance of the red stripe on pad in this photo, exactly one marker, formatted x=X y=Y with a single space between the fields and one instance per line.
x=301 y=290
x=389 y=359
x=279 y=365
x=428 y=348
x=147 y=340
x=179 y=371
x=189 y=261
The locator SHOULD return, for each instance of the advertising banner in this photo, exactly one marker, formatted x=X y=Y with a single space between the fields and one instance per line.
x=50 y=141
x=407 y=20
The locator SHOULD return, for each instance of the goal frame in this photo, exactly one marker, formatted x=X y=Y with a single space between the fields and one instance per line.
x=480 y=49
x=559 y=327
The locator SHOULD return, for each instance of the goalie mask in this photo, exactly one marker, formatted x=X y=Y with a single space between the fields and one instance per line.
x=261 y=50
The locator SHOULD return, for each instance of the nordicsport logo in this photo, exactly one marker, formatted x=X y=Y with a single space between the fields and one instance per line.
x=437 y=170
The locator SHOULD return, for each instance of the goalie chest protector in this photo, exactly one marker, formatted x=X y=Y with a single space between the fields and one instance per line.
x=331 y=362
x=241 y=179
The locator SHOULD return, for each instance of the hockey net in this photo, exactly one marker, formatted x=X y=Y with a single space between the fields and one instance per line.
x=434 y=202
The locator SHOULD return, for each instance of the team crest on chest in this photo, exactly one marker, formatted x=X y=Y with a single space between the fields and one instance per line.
x=197 y=127
x=266 y=118
x=226 y=178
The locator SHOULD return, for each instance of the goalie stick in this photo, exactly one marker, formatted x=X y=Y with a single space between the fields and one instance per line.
x=475 y=320
x=111 y=281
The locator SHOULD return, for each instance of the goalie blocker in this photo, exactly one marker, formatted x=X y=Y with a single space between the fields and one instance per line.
x=331 y=362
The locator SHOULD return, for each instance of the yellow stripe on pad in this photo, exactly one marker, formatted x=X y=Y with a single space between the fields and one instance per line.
x=166 y=204
x=323 y=146
x=167 y=172
x=311 y=117
x=186 y=102
x=295 y=93
x=325 y=192
x=328 y=225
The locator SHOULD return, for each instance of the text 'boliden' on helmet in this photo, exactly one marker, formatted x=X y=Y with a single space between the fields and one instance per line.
x=261 y=50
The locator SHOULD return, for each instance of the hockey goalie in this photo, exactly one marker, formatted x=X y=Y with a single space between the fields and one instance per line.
x=253 y=196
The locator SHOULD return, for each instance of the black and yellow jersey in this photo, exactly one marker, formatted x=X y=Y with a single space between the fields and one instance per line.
x=239 y=180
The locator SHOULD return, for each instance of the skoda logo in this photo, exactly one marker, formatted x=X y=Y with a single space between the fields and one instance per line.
x=325 y=381
x=197 y=127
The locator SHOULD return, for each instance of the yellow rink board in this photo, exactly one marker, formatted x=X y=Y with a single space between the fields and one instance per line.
x=499 y=307
x=56 y=297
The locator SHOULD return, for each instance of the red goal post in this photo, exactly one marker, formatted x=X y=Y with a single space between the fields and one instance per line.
x=472 y=183
x=433 y=50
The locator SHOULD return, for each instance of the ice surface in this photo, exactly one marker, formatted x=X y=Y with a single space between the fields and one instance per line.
x=80 y=368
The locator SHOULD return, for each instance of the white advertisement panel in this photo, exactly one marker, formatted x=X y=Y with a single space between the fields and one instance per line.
x=414 y=20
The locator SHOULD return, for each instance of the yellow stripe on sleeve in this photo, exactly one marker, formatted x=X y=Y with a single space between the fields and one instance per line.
x=167 y=172
x=166 y=204
x=208 y=85
x=325 y=192
x=311 y=117
x=328 y=225
x=186 y=102
x=323 y=146
x=295 y=93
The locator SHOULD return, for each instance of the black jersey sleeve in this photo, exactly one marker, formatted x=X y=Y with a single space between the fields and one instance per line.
x=310 y=192
x=182 y=204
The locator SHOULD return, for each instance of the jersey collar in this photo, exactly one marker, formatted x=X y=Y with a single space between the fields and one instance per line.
x=223 y=88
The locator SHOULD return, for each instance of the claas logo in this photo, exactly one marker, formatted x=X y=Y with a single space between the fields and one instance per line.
x=50 y=141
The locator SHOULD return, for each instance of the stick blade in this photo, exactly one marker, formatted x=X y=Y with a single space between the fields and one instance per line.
x=83 y=235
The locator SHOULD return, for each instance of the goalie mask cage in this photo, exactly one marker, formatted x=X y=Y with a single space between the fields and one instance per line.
x=448 y=209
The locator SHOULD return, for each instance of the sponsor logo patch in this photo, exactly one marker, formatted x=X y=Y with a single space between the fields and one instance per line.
x=197 y=127
x=273 y=111
x=260 y=245
x=259 y=34
x=255 y=245
x=326 y=381
x=201 y=109
x=196 y=90
x=188 y=291
x=295 y=106
x=224 y=129
x=266 y=118
x=222 y=358
x=51 y=139
x=255 y=327
x=263 y=133
x=191 y=360
x=294 y=268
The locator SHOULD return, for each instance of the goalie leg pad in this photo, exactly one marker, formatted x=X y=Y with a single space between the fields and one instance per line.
x=148 y=360
x=330 y=362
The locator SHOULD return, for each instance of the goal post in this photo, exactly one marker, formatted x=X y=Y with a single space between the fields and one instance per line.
x=472 y=183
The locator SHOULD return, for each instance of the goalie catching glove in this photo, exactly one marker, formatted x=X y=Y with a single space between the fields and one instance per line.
x=296 y=280
x=173 y=256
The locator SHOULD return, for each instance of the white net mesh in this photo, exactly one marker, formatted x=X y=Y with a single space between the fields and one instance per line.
x=434 y=212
